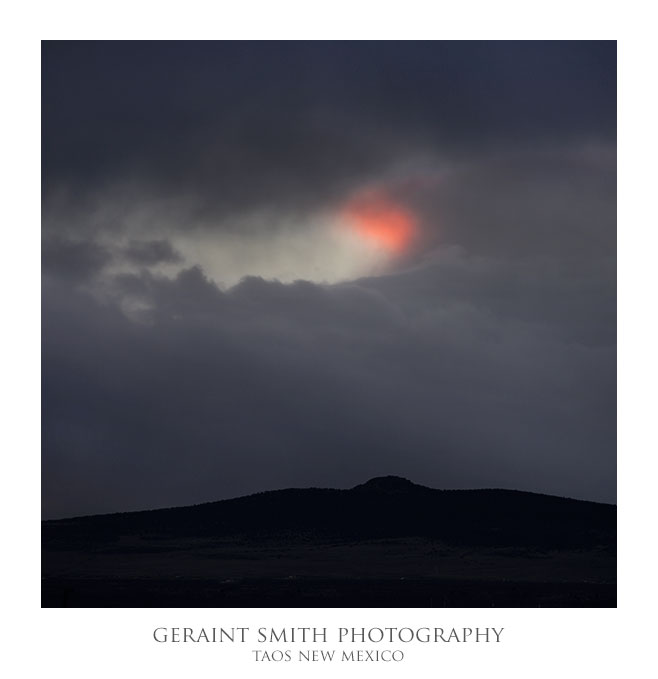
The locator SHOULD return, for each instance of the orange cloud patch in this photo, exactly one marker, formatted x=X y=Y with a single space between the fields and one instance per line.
x=378 y=219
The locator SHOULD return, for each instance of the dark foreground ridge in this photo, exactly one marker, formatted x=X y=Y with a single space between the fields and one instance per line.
x=411 y=545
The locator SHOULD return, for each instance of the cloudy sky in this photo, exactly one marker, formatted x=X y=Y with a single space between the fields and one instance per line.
x=306 y=264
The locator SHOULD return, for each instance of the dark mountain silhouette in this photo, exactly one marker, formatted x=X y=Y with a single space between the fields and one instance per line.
x=387 y=527
x=383 y=507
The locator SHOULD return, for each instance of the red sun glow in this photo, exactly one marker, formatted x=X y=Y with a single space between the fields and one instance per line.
x=378 y=219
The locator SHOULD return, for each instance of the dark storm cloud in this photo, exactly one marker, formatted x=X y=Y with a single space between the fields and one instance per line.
x=83 y=260
x=77 y=260
x=242 y=125
x=149 y=253
x=558 y=202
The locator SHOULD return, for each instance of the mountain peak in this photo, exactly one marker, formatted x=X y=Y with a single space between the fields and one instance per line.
x=388 y=484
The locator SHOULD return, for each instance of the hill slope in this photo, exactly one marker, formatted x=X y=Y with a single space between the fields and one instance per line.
x=382 y=507
x=386 y=530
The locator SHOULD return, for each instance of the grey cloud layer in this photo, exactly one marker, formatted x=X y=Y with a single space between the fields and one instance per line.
x=212 y=394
